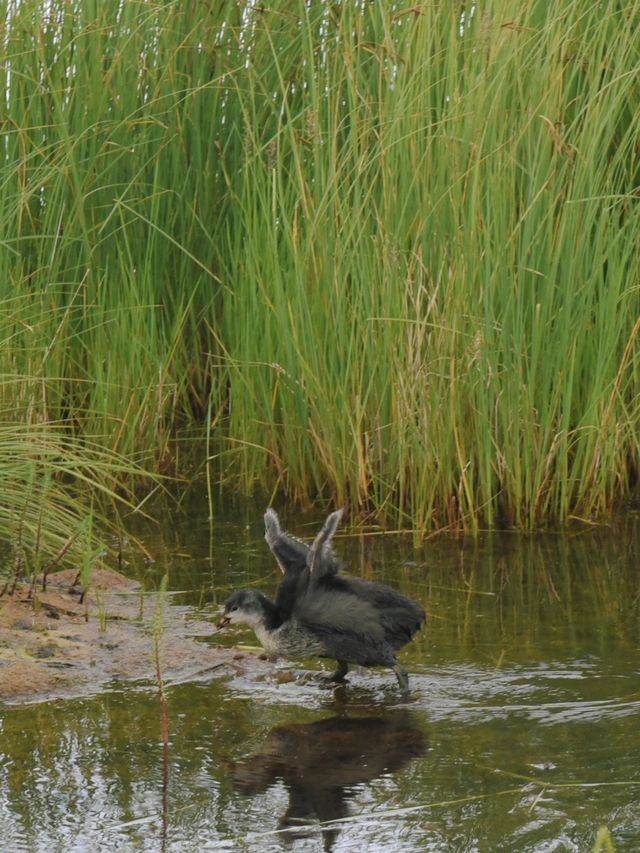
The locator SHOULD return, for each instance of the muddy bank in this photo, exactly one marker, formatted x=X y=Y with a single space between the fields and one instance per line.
x=49 y=649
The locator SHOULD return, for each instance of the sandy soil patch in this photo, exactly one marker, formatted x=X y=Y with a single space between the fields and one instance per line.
x=49 y=649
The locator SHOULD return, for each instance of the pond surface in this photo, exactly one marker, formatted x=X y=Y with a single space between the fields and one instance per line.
x=521 y=731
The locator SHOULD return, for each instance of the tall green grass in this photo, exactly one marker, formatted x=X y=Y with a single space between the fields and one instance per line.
x=388 y=251
x=440 y=242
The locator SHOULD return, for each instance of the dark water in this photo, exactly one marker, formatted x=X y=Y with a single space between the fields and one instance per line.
x=521 y=733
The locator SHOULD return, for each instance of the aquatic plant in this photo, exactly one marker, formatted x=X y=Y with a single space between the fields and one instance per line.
x=157 y=629
x=604 y=842
x=388 y=254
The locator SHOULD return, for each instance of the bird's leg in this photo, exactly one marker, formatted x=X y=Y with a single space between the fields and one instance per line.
x=401 y=675
x=339 y=674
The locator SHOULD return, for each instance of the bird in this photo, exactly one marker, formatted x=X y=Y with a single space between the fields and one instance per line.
x=319 y=612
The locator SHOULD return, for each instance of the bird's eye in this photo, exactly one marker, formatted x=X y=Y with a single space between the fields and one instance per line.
x=235 y=607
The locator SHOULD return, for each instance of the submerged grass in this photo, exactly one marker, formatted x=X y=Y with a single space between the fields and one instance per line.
x=389 y=253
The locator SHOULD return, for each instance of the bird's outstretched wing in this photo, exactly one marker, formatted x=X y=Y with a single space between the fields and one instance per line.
x=302 y=566
x=321 y=560
x=290 y=553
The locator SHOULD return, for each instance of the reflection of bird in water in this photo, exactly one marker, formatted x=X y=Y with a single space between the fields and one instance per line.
x=321 y=613
x=316 y=762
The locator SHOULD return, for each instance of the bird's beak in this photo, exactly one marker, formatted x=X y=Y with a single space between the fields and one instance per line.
x=222 y=621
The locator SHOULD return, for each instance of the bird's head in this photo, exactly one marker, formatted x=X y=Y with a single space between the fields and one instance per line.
x=244 y=607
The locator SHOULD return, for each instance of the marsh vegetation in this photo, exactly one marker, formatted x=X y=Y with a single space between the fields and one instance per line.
x=383 y=254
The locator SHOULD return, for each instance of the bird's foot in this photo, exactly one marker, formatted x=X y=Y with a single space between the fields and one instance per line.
x=338 y=676
x=329 y=678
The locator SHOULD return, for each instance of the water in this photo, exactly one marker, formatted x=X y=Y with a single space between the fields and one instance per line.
x=521 y=732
